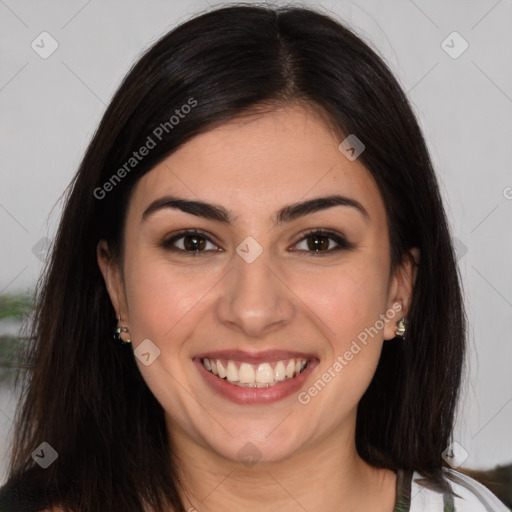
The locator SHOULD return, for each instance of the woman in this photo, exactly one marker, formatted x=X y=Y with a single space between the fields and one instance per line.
x=258 y=224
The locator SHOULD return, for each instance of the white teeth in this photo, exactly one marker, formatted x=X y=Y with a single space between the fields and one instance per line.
x=264 y=374
x=290 y=369
x=279 y=371
x=221 y=369
x=299 y=366
x=248 y=375
x=232 y=372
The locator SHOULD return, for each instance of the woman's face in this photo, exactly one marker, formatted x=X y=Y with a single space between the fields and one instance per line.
x=249 y=290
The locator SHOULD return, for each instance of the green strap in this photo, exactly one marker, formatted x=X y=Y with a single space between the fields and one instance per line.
x=403 y=494
x=403 y=491
x=449 y=506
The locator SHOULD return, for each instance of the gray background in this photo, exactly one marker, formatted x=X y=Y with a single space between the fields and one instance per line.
x=50 y=108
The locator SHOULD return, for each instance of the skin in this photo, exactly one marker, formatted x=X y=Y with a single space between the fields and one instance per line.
x=285 y=299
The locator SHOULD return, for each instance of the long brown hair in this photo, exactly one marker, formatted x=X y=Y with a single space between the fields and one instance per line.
x=84 y=395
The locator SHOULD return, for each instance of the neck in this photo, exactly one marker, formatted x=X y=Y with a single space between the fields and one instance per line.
x=328 y=476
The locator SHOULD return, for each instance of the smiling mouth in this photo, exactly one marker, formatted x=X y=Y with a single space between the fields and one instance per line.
x=261 y=375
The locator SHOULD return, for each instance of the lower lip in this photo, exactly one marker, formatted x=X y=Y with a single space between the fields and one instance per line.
x=243 y=395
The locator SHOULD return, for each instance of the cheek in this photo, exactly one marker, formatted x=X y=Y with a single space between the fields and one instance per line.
x=350 y=302
x=348 y=299
x=163 y=306
x=159 y=295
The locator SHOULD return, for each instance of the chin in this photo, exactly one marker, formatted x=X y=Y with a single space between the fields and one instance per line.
x=251 y=450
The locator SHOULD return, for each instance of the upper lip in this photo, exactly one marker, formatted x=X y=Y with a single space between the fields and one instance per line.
x=255 y=357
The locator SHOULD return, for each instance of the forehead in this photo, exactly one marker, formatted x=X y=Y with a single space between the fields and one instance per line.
x=257 y=163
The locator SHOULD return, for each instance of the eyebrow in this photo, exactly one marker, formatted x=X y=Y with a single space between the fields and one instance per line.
x=220 y=214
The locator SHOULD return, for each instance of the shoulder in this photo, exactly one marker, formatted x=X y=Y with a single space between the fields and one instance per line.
x=466 y=495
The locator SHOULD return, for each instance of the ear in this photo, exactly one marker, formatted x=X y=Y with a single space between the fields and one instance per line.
x=400 y=291
x=113 y=278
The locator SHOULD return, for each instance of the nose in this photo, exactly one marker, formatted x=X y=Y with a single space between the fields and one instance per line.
x=254 y=298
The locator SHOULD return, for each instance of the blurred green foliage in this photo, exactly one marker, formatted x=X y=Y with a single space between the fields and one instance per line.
x=13 y=308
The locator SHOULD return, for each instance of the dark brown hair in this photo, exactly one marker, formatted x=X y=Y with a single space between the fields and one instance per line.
x=85 y=396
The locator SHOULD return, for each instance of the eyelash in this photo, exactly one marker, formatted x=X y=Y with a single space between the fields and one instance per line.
x=343 y=244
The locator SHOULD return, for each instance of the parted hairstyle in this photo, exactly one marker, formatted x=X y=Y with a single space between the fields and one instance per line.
x=85 y=396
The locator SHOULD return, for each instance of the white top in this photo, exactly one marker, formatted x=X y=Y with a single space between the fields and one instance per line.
x=469 y=496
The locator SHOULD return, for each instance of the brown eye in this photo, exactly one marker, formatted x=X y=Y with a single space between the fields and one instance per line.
x=194 y=242
x=317 y=242
x=189 y=241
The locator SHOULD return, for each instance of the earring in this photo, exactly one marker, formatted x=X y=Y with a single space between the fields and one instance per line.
x=401 y=327
x=119 y=331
